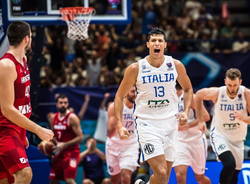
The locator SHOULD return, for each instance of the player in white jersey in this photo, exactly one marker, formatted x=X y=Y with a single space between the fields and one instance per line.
x=156 y=104
x=229 y=125
x=191 y=144
x=122 y=155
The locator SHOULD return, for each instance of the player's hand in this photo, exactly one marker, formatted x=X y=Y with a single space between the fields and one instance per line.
x=45 y=134
x=182 y=118
x=123 y=133
x=240 y=116
x=106 y=95
x=202 y=127
x=59 y=147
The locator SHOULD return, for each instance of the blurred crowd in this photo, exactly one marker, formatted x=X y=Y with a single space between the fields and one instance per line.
x=190 y=25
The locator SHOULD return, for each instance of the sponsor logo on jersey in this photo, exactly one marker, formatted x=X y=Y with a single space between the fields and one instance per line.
x=23 y=160
x=25 y=109
x=25 y=78
x=231 y=126
x=149 y=148
x=158 y=103
x=60 y=127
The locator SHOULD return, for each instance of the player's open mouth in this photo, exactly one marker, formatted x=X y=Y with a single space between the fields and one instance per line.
x=157 y=50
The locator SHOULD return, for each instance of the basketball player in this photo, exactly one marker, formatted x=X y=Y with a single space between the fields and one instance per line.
x=122 y=155
x=190 y=139
x=68 y=134
x=156 y=104
x=15 y=107
x=228 y=128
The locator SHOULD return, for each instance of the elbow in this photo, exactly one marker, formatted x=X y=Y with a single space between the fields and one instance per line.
x=206 y=118
x=6 y=111
x=80 y=138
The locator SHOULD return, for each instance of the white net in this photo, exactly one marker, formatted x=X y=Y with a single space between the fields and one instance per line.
x=77 y=19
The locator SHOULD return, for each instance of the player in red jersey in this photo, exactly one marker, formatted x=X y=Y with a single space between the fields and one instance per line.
x=68 y=134
x=15 y=108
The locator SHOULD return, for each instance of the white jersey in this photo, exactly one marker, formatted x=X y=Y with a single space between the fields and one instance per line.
x=129 y=123
x=190 y=134
x=224 y=121
x=156 y=94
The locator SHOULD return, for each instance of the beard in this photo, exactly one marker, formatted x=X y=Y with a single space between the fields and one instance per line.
x=28 y=49
x=131 y=99
x=62 y=110
x=232 y=93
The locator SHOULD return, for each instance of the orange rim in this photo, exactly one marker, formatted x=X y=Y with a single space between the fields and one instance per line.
x=76 y=10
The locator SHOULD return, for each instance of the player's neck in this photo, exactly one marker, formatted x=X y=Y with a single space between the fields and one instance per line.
x=155 y=61
x=18 y=53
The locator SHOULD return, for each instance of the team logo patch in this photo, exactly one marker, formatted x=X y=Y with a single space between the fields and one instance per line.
x=240 y=96
x=149 y=148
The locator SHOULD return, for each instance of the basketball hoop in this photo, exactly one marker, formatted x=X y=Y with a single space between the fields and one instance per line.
x=77 y=19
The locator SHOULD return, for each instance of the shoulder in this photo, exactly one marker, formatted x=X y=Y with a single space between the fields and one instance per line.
x=73 y=116
x=133 y=67
x=7 y=70
x=247 y=92
x=6 y=64
x=179 y=65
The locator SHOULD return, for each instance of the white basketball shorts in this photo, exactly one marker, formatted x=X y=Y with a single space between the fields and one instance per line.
x=192 y=154
x=221 y=144
x=155 y=141
x=121 y=156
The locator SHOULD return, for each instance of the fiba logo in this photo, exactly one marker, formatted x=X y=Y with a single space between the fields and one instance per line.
x=149 y=148
x=16 y=1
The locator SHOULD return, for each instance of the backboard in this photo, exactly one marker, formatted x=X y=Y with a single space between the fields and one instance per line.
x=47 y=11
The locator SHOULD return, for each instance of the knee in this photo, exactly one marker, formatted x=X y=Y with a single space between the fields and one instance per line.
x=106 y=181
x=87 y=181
x=180 y=177
x=24 y=175
x=125 y=177
x=202 y=179
x=228 y=160
x=70 y=181
x=161 y=172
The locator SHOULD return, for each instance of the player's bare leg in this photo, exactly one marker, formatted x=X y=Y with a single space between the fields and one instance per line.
x=181 y=174
x=202 y=179
x=159 y=166
x=116 y=179
x=23 y=176
x=70 y=181
x=4 y=181
x=87 y=181
x=126 y=176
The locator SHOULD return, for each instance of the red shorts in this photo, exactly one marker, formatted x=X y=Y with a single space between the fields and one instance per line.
x=12 y=154
x=65 y=165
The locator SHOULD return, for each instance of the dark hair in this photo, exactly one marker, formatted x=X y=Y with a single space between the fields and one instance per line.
x=233 y=73
x=156 y=31
x=17 y=31
x=58 y=96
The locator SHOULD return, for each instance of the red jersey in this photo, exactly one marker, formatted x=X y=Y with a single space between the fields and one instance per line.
x=63 y=131
x=22 y=95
